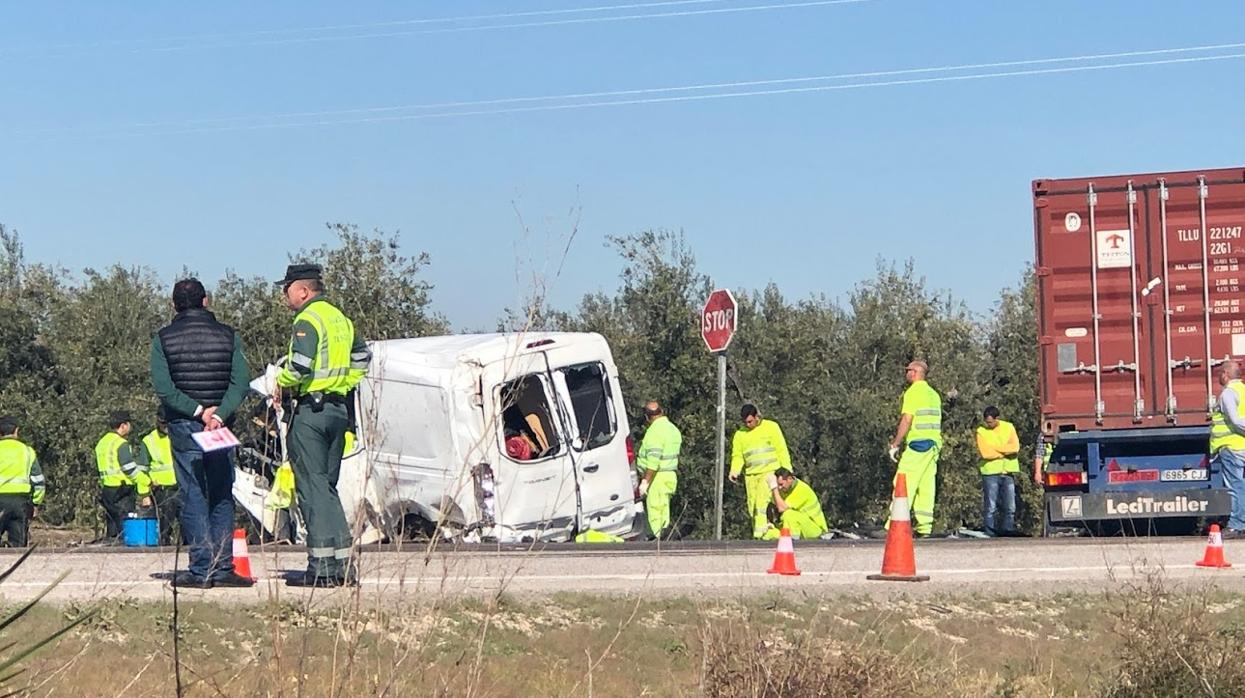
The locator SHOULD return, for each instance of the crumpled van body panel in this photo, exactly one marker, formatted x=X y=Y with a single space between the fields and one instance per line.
x=506 y=437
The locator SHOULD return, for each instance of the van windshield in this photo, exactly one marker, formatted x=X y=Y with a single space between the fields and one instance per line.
x=529 y=430
x=589 y=387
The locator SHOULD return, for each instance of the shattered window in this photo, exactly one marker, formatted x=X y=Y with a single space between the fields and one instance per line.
x=529 y=427
x=589 y=387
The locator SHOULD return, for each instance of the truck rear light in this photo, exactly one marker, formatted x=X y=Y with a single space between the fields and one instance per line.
x=1065 y=479
x=486 y=488
x=630 y=450
x=539 y=343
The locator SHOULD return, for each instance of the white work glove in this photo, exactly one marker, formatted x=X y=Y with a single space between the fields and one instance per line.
x=771 y=481
x=643 y=489
x=893 y=452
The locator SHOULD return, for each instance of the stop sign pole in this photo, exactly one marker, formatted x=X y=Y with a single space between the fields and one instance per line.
x=718 y=321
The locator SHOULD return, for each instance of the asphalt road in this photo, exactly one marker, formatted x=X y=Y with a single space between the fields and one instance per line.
x=828 y=568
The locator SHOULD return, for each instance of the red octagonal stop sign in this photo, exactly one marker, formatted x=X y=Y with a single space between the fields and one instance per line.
x=717 y=320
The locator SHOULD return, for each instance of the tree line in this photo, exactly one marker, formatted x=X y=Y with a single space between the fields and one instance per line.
x=75 y=346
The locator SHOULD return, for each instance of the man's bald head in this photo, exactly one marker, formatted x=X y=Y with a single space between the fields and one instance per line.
x=1230 y=371
x=652 y=410
x=916 y=370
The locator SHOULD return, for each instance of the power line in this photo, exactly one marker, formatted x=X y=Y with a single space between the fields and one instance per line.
x=598 y=95
x=259 y=41
x=717 y=95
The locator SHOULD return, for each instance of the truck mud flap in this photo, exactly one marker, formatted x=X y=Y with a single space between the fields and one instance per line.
x=1137 y=505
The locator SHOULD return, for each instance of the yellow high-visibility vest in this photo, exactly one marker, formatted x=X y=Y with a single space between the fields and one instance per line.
x=160 y=449
x=998 y=438
x=925 y=405
x=1221 y=434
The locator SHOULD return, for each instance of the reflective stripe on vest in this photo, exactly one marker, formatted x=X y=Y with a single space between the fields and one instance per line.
x=803 y=499
x=758 y=448
x=16 y=458
x=110 y=473
x=160 y=449
x=660 y=447
x=926 y=406
x=756 y=457
x=1221 y=434
x=331 y=366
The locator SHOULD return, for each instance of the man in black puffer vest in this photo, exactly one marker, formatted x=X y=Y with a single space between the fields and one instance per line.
x=201 y=377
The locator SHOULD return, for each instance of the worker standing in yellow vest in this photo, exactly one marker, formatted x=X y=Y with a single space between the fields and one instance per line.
x=21 y=485
x=121 y=480
x=155 y=454
x=920 y=434
x=797 y=506
x=999 y=446
x=658 y=458
x=757 y=450
x=1227 y=443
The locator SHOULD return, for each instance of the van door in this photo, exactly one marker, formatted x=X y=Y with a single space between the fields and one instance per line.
x=596 y=420
x=534 y=480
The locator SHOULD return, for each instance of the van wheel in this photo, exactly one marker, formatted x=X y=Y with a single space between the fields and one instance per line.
x=415 y=528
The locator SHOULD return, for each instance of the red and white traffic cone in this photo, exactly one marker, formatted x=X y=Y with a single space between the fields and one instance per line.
x=899 y=559
x=784 y=556
x=1214 y=550
x=241 y=560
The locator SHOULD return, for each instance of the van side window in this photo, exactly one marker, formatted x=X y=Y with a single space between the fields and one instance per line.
x=529 y=429
x=589 y=387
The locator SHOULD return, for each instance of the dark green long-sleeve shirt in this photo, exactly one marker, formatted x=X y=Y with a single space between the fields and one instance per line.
x=181 y=403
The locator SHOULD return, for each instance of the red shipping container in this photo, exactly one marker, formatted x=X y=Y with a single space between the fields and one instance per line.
x=1139 y=282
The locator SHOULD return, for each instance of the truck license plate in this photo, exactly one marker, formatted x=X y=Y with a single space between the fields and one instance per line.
x=1185 y=475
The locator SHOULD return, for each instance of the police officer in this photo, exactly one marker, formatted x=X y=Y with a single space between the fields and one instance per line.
x=21 y=484
x=121 y=481
x=155 y=453
x=327 y=359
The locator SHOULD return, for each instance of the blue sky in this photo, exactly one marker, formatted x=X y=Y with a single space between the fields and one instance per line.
x=803 y=189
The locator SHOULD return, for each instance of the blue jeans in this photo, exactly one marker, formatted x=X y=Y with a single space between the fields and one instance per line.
x=205 y=485
x=998 y=491
x=1232 y=465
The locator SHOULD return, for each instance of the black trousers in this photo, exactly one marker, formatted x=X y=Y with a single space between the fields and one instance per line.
x=118 y=502
x=168 y=508
x=15 y=518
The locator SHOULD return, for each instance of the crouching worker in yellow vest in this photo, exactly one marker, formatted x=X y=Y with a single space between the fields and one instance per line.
x=155 y=453
x=121 y=480
x=21 y=484
x=757 y=450
x=797 y=506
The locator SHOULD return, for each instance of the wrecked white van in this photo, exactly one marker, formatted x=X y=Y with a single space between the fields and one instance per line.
x=492 y=437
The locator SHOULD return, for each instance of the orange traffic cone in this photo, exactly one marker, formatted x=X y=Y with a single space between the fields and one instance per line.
x=784 y=556
x=898 y=561
x=1214 y=550
x=241 y=560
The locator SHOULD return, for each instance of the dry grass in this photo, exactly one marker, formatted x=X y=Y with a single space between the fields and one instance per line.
x=1147 y=641
x=1175 y=643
